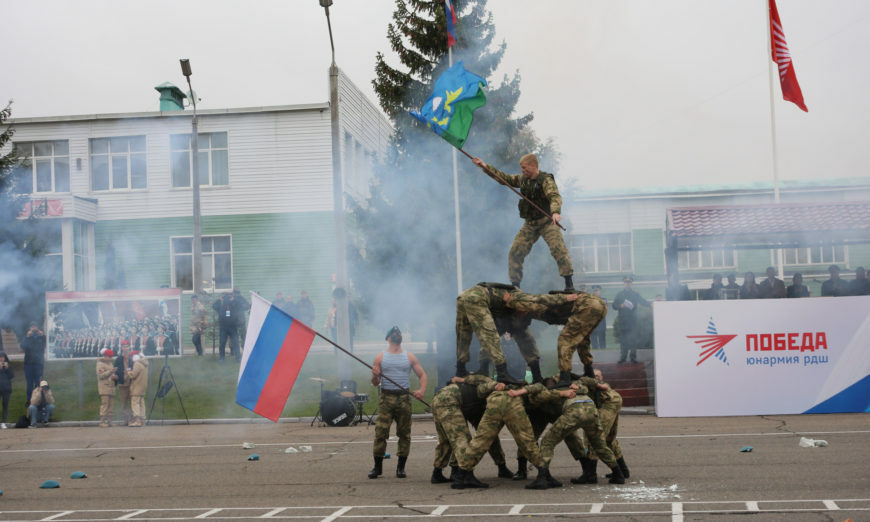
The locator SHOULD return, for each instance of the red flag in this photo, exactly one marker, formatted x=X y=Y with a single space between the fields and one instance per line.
x=451 y=23
x=791 y=91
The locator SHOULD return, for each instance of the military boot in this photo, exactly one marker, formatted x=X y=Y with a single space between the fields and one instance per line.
x=588 y=371
x=521 y=473
x=453 y=471
x=622 y=466
x=400 y=467
x=470 y=481
x=378 y=469
x=535 y=367
x=504 y=471
x=569 y=282
x=457 y=479
x=541 y=481
x=438 y=477
x=484 y=367
x=590 y=475
x=616 y=477
x=564 y=379
x=460 y=369
x=504 y=376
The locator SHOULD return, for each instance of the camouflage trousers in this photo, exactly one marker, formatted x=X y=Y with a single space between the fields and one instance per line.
x=587 y=312
x=453 y=434
x=608 y=414
x=573 y=440
x=583 y=415
x=392 y=407
x=525 y=240
x=501 y=410
x=473 y=316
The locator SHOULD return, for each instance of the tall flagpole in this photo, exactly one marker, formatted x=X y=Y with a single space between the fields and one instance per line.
x=770 y=65
x=456 y=201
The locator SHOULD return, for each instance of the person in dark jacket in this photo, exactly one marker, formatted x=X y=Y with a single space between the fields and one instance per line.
x=797 y=288
x=33 y=346
x=6 y=375
x=228 y=309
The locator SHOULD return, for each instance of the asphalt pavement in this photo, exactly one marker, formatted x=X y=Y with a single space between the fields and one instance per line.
x=681 y=469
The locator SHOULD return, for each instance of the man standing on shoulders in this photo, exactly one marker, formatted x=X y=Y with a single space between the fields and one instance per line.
x=394 y=402
x=33 y=346
x=539 y=187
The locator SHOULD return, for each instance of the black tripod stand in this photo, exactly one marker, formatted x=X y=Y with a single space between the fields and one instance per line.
x=360 y=400
x=165 y=383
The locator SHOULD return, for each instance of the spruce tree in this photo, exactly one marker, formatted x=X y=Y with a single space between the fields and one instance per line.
x=405 y=255
x=23 y=278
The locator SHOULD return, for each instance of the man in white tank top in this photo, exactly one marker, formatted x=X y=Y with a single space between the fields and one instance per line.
x=394 y=403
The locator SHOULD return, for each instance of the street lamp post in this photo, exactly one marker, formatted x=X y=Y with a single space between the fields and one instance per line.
x=197 y=221
x=342 y=321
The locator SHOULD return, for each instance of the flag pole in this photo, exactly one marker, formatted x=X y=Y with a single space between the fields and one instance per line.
x=770 y=64
x=370 y=367
x=456 y=201
x=517 y=192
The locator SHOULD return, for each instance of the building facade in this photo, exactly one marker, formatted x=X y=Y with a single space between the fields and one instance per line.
x=617 y=233
x=117 y=190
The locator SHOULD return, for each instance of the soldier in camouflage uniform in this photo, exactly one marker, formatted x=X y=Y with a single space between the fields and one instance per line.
x=609 y=403
x=578 y=411
x=539 y=187
x=452 y=408
x=580 y=314
x=475 y=312
x=501 y=409
x=541 y=415
x=394 y=402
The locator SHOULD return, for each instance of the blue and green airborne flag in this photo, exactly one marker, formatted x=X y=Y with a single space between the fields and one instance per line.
x=449 y=110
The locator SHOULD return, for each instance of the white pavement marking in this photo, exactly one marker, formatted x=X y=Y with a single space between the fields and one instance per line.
x=419 y=439
x=517 y=509
x=131 y=514
x=209 y=513
x=58 y=515
x=338 y=513
x=596 y=508
x=438 y=511
x=273 y=512
x=830 y=504
x=677 y=511
x=751 y=506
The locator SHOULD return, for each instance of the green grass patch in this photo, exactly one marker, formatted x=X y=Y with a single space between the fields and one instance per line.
x=207 y=387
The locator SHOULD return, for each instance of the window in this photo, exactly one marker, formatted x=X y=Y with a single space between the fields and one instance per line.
x=819 y=255
x=217 y=262
x=118 y=163
x=213 y=161
x=53 y=245
x=707 y=259
x=45 y=169
x=603 y=252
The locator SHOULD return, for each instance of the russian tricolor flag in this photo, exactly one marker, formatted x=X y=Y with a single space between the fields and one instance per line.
x=451 y=23
x=275 y=348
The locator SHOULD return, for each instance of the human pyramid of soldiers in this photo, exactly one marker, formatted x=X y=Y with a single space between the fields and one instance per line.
x=567 y=402
x=150 y=336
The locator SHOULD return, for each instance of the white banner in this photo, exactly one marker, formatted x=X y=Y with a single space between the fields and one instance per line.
x=762 y=356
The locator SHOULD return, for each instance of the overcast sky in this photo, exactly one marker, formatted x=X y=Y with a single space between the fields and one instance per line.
x=635 y=92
